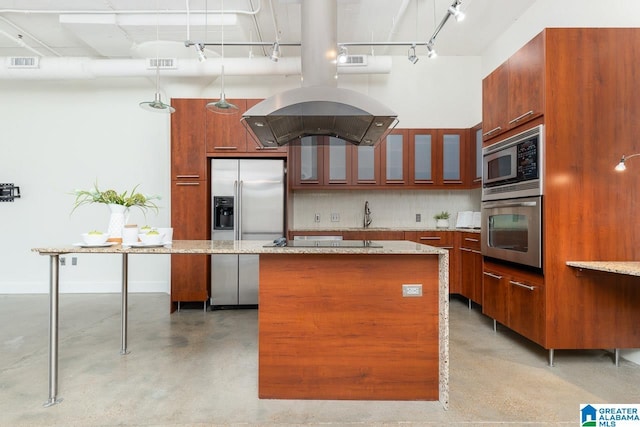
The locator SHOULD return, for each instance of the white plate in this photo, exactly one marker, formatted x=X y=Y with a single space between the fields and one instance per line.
x=144 y=245
x=99 y=245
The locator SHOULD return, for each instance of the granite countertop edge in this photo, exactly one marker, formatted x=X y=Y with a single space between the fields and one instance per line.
x=245 y=247
x=630 y=268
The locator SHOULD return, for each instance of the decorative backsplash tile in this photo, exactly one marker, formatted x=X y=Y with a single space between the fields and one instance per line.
x=389 y=208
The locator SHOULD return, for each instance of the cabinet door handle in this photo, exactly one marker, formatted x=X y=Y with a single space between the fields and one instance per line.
x=446 y=247
x=225 y=148
x=259 y=148
x=517 y=119
x=522 y=285
x=465 y=249
x=495 y=276
x=430 y=238
x=187 y=183
x=492 y=131
x=187 y=176
x=476 y=252
x=468 y=239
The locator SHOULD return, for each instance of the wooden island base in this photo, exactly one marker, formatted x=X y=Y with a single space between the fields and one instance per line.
x=336 y=326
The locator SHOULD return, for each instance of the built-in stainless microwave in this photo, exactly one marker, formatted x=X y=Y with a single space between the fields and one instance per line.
x=513 y=167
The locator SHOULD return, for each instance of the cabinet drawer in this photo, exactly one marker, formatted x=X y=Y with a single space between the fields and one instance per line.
x=470 y=241
x=442 y=239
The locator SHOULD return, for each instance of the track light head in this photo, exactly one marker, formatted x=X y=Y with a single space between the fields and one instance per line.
x=343 y=55
x=275 y=52
x=431 y=52
x=455 y=11
x=411 y=55
x=200 y=51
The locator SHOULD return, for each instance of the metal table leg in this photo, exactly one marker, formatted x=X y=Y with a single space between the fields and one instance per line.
x=125 y=294
x=53 y=331
x=551 y=354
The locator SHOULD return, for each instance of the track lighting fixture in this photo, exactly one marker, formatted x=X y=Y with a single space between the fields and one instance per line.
x=200 y=50
x=621 y=166
x=455 y=11
x=343 y=55
x=275 y=52
x=411 y=55
x=431 y=52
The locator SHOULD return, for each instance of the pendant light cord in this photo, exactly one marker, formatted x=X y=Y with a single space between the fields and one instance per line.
x=158 y=46
x=222 y=44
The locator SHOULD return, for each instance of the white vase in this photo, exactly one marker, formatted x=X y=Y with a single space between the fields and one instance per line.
x=117 y=220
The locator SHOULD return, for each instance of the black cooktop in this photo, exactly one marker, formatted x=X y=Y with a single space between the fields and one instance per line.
x=327 y=244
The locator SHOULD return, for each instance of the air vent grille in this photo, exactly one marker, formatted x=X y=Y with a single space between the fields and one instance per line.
x=162 y=63
x=24 y=62
x=354 y=61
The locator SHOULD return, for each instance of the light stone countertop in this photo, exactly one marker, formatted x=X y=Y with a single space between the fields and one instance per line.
x=246 y=247
x=629 y=268
x=373 y=229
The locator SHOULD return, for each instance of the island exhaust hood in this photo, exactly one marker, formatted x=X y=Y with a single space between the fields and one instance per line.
x=319 y=107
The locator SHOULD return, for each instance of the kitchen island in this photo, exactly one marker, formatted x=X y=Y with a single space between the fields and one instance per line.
x=367 y=322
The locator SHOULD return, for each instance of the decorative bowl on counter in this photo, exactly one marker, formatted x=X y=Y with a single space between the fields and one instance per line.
x=95 y=237
x=151 y=238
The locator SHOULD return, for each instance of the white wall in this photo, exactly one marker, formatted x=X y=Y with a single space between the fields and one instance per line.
x=64 y=135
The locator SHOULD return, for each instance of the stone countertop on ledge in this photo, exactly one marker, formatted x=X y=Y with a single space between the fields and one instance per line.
x=629 y=268
x=372 y=229
x=245 y=247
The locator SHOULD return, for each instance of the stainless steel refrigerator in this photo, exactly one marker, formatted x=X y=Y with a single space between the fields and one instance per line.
x=248 y=203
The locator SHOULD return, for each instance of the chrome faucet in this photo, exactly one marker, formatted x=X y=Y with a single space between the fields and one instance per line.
x=367 y=215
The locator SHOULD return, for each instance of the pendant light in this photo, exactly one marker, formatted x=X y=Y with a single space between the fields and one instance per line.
x=157 y=106
x=222 y=106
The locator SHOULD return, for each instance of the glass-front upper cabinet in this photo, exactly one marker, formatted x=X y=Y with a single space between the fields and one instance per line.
x=451 y=157
x=308 y=160
x=395 y=158
x=366 y=164
x=421 y=156
x=337 y=161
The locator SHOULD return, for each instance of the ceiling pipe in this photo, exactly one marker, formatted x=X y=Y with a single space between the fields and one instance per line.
x=83 y=68
x=18 y=41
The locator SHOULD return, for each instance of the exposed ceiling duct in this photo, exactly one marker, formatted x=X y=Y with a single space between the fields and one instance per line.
x=319 y=107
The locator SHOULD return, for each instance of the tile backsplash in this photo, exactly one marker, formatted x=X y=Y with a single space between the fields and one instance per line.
x=389 y=208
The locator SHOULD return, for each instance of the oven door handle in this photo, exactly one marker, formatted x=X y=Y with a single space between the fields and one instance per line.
x=509 y=205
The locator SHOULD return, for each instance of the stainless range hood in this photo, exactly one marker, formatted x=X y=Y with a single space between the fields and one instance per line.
x=319 y=107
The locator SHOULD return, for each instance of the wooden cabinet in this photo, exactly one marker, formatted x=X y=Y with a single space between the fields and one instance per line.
x=395 y=158
x=189 y=212
x=225 y=134
x=470 y=266
x=515 y=298
x=437 y=157
x=365 y=165
x=373 y=235
x=445 y=240
x=513 y=93
x=474 y=153
x=188 y=159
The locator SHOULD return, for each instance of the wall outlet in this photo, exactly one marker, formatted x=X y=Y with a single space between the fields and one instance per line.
x=63 y=261
x=412 y=290
x=418 y=217
x=335 y=217
x=316 y=218
x=74 y=260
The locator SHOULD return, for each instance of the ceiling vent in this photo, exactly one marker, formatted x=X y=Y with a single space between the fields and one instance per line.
x=162 y=63
x=354 y=61
x=23 y=62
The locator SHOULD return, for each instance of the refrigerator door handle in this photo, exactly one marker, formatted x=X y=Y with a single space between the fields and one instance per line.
x=236 y=210
x=239 y=237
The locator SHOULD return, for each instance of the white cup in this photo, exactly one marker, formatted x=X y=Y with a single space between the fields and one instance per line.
x=168 y=233
x=129 y=234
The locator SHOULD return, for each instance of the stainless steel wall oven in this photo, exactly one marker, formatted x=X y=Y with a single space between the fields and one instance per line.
x=512 y=196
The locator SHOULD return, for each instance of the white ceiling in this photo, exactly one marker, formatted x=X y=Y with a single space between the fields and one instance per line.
x=103 y=29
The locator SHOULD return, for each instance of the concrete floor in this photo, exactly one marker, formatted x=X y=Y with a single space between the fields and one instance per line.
x=199 y=369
